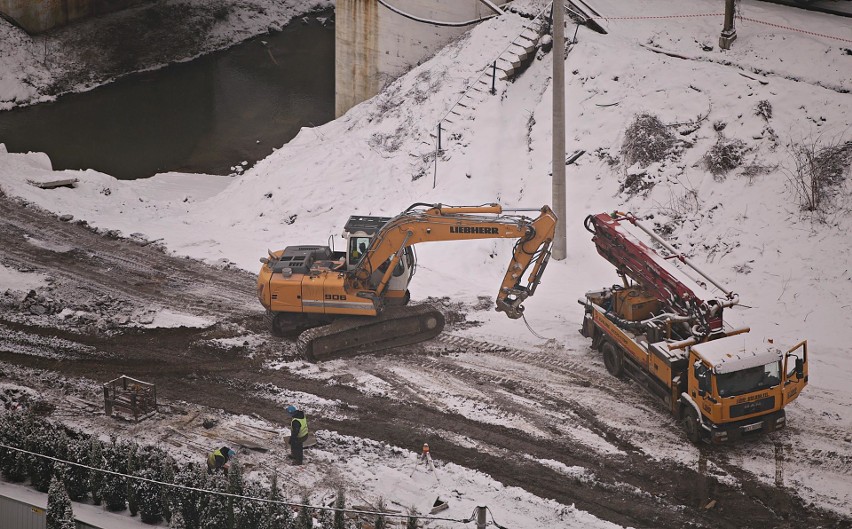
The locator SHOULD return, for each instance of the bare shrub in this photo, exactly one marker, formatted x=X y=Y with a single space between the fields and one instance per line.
x=606 y=157
x=817 y=173
x=387 y=142
x=646 y=140
x=764 y=109
x=683 y=204
x=753 y=170
x=637 y=183
x=724 y=156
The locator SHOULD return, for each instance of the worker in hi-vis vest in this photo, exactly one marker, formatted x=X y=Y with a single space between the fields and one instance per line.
x=298 y=433
x=220 y=459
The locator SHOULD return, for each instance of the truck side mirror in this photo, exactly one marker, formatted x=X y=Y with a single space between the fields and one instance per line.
x=800 y=368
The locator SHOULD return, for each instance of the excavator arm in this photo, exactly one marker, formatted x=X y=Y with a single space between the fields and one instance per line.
x=435 y=222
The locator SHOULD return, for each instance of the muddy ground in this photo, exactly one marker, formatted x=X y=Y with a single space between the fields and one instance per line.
x=84 y=323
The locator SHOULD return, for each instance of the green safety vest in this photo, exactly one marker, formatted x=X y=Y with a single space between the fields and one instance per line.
x=303 y=426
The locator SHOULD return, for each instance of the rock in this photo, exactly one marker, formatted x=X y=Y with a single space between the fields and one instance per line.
x=209 y=422
x=38 y=310
x=66 y=218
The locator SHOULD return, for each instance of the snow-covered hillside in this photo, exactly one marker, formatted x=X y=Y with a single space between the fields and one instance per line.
x=792 y=269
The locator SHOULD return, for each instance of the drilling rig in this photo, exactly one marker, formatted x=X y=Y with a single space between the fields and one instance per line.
x=663 y=326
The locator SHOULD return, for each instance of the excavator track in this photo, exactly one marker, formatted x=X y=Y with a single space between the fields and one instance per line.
x=395 y=327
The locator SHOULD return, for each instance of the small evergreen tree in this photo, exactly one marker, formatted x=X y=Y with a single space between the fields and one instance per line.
x=188 y=502
x=339 y=505
x=115 y=487
x=96 y=478
x=44 y=438
x=412 y=520
x=235 y=486
x=167 y=475
x=381 y=522
x=324 y=517
x=13 y=431
x=77 y=477
x=278 y=515
x=305 y=518
x=59 y=512
x=177 y=521
x=132 y=501
x=149 y=496
x=251 y=514
x=214 y=511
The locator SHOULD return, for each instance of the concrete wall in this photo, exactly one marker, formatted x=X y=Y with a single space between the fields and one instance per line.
x=21 y=515
x=36 y=16
x=374 y=45
x=25 y=508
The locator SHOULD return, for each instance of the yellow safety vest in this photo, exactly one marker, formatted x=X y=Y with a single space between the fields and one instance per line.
x=303 y=426
x=211 y=459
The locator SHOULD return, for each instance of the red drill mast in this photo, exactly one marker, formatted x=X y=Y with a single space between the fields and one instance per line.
x=682 y=295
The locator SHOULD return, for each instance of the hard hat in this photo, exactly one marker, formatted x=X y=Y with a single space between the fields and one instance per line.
x=291 y=409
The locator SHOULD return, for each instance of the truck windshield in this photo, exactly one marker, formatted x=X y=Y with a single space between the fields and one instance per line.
x=748 y=380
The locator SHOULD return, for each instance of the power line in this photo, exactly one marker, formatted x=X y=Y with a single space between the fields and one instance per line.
x=239 y=496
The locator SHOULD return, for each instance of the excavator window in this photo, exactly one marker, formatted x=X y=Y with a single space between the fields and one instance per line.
x=357 y=248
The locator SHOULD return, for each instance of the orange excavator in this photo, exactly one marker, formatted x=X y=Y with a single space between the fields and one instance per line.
x=356 y=301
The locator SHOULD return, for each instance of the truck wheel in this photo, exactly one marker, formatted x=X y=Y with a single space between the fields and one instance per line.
x=613 y=359
x=690 y=425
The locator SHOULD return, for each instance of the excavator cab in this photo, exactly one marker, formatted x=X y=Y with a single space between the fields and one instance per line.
x=359 y=233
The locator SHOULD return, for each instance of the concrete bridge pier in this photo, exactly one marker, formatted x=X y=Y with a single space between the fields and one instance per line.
x=376 y=41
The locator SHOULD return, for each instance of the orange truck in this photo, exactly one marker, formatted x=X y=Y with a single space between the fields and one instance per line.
x=664 y=328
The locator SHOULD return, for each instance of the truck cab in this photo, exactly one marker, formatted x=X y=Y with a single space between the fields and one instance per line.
x=738 y=386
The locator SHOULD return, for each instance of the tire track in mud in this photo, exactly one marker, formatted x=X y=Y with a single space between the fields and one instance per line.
x=705 y=486
x=554 y=405
x=569 y=367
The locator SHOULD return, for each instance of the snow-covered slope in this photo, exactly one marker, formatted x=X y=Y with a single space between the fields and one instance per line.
x=792 y=270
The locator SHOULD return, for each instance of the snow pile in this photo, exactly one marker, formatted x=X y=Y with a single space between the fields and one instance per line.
x=12 y=280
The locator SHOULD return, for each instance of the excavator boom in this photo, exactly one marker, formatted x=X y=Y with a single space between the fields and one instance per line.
x=444 y=223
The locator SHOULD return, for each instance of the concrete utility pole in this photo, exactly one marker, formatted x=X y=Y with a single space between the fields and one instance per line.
x=481 y=522
x=558 y=162
x=729 y=32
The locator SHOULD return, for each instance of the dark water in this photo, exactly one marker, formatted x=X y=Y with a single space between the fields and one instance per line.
x=203 y=116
